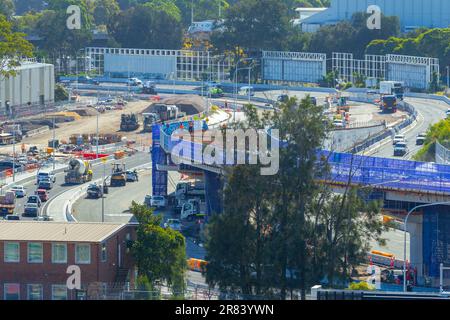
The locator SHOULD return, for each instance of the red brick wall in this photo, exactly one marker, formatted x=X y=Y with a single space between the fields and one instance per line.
x=48 y=273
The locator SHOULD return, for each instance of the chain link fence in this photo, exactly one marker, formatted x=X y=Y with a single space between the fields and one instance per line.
x=442 y=152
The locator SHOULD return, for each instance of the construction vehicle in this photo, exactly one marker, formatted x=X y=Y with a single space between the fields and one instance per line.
x=190 y=188
x=7 y=203
x=149 y=120
x=389 y=104
x=118 y=175
x=129 y=122
x=78 y=172
x=389 y=88
x=166 y=112
x=193 y=208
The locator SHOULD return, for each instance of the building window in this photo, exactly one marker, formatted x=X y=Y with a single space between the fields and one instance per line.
x=11 y=291
x=59 y=292
x=59 y=253
x=104 y=254
x=34 y=292
x=35 y=252
x=83 y=253
x=12 y=252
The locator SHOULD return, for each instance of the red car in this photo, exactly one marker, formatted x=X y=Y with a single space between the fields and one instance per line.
x=43 y=194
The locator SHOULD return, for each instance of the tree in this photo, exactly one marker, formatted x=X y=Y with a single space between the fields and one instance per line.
x=104 y=10
x=159 y=253
x=253 y=25
x=146 y=27
x=7 y=8
x=61 y=93
x=12 y=48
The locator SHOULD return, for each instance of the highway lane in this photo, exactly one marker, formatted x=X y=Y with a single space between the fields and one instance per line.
x=59 y=187
x=429 y=113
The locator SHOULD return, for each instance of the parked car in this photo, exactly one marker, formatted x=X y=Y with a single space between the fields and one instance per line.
x=400 y=149
x=34 y=199
x=94 y=191
x=46 y=184
x=398 y=138
x=31 y=210
x=158 y=202
x=42 y=194
x=420 y=140
x=12 y=217
x=132 y=176
x=173 y=224
x=20 y=191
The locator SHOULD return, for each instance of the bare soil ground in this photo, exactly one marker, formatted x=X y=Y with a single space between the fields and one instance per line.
x=109 y=122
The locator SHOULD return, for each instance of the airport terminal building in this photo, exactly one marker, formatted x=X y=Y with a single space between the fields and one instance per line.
x=413 y=14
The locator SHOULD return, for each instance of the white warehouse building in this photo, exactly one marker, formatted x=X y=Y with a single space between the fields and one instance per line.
x=413 y=14
x=33 y=86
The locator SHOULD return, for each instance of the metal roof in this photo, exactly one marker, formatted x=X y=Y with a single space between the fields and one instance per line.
x=57 y=231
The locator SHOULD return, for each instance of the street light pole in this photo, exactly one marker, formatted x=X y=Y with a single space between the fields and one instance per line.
x=404 y=238
x=448 y=76
x=96 y=155
x=53 y=143
x=103 y=192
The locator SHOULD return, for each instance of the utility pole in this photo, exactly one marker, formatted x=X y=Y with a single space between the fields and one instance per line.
x=53 y=143
x=103 y=190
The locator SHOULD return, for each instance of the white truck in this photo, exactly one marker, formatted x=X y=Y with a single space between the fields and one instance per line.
x=193 y=208
x=190 y=188
x=392 y=88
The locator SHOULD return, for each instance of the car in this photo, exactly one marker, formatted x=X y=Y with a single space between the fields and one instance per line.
x=338 y=123
x=12 y=217
x=42 y=194
x=44 y=175
x=447 y=113
x=400 y=149
x=132 y=176
x=158 y=202
x=94 y=191
x=134 y=82
x=31 y=210
x=20 y=191
x=87 y=80
x=420 y=140
x=398 y=138
x=34 y=199
x=46 y=184
x=173 y=224
x=43 y=218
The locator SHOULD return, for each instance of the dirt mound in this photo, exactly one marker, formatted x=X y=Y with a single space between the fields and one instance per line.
x=191 y=104
x=85 y=112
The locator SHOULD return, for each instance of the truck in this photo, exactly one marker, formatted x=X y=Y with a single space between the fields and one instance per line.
x=190 y=188
x=7 y=203
x=166 y=112
x=149 y=120
x=395 y=88
x=118 y=175
x=78 y=172
x=389 y=104
x=193 y=208
x=129 y=122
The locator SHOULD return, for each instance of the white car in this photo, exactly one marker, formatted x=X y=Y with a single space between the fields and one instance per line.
x=44 y=175
x=338 y=123
x=158 y=202
x=134 y=82
x=20 y=191
x=398 y=138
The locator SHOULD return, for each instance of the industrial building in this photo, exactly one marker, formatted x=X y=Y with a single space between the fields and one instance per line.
x=413 y=14
x=33 y=87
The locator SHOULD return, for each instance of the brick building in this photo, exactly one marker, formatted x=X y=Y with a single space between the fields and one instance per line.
x=34 y=257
